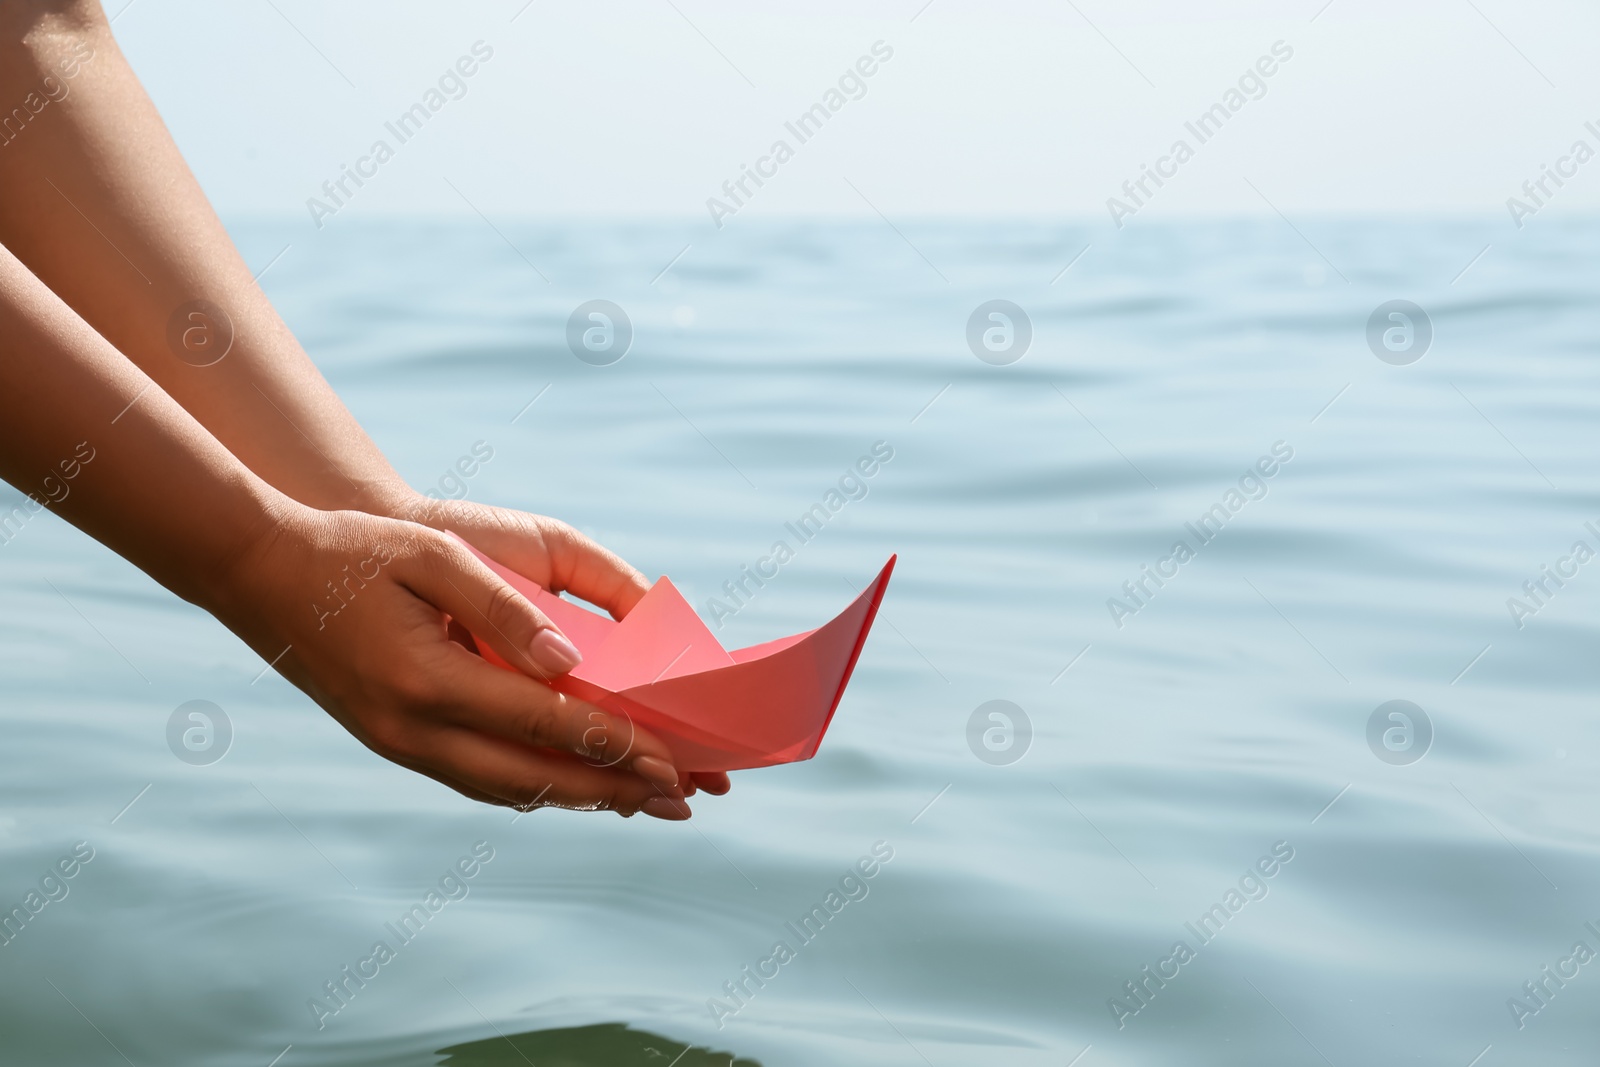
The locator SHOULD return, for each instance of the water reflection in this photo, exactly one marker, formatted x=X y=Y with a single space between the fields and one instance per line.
x=601 y=1045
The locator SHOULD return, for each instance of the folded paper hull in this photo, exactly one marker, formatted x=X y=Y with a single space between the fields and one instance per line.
x=755 y=707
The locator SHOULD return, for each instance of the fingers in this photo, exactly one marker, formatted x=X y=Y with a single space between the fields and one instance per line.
x=461 y=635
x=497 y=719
x=518 y=709
x=591 y=571
x=686 y=783
x=550 y=552
x=524 y=777
x=714 y=782
x=469 y=792
x=448 y=577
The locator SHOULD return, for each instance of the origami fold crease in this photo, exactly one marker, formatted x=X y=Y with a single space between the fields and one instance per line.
x=715 y=710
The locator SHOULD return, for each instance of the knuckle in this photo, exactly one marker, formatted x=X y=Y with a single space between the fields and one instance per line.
x=441 y=560
x=561 y=534
x=602 y=742
x=547 y=528
x=563 y=546
x=434 y=557
x=506 y=608
x=542 y=725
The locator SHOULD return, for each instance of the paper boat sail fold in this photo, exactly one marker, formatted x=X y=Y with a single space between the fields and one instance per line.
x=715 y=710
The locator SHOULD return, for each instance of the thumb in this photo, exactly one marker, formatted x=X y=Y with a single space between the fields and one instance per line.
x=450 y=578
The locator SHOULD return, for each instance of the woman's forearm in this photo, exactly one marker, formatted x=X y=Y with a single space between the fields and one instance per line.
x=87 y=434
x=97 y=202
x=87 y=431
x=151 y=396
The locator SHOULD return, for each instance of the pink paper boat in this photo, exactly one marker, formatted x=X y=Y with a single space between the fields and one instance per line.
x=715 y=710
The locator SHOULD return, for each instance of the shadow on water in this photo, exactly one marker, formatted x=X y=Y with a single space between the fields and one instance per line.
x=601 y=1045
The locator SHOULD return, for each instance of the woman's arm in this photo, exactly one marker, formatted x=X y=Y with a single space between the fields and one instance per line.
x=96 y=200
x=98 y=203
x=351 y=606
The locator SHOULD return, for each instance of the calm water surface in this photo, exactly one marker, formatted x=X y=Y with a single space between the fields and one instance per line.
x=1220 y=731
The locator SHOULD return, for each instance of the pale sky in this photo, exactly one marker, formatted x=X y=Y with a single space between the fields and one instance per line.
x=1020 y=107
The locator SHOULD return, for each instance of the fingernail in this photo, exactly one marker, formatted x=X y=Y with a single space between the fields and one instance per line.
x=552 y=651
x=666 y=808
x=659 y=771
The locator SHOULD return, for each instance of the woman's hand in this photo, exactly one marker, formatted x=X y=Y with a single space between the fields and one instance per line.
x=89 y=358
x=552 y=554
x=361 y=602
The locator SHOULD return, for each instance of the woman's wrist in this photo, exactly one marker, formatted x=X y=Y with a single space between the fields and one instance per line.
x=392 y=500
x=263 y=515
x=405 y=503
